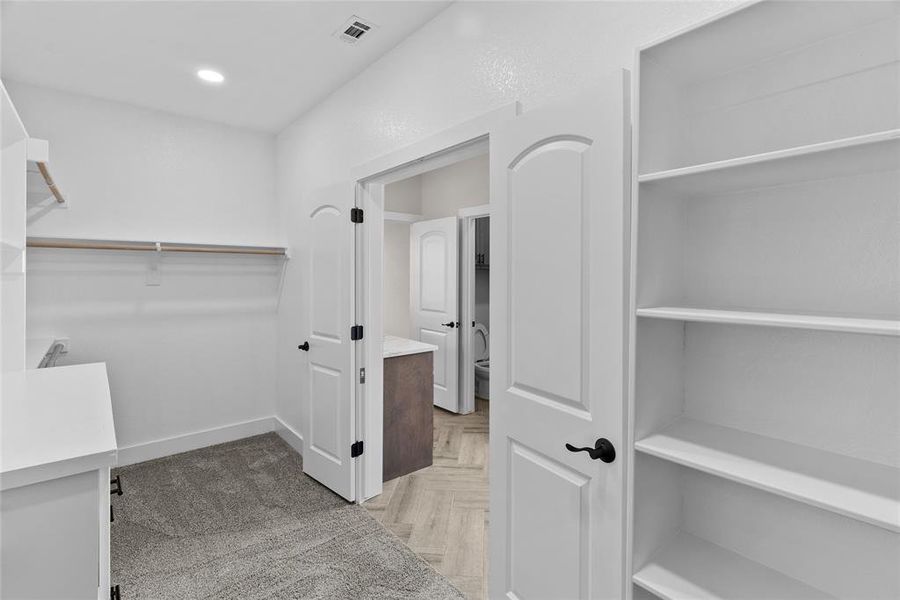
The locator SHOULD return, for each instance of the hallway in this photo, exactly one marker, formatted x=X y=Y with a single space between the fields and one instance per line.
x=441 y=512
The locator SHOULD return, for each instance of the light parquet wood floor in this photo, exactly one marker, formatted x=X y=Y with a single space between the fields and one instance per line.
x=441 y=512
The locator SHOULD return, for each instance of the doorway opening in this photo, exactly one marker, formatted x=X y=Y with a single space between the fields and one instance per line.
x=436 y=323
x=457 y=542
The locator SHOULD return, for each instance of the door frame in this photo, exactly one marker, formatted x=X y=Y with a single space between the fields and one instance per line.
x=467 y=217
x=466 y=140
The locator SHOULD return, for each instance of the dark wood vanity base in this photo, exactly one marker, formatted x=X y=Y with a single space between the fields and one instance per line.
x=408 y=419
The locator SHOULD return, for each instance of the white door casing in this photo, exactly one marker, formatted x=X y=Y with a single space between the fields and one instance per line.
x=434 y=301
x=559 y=208
x=330 y=420
x=467 y=218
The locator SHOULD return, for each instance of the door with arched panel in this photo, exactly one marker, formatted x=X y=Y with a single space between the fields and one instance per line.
x=328 y=349
x=559 y=204
x=434 y=301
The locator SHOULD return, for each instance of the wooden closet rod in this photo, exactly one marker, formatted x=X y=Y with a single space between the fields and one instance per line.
x=75 y=244
x=45 y=173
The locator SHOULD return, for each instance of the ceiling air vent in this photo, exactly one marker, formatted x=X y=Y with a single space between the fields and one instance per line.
x=354 y=30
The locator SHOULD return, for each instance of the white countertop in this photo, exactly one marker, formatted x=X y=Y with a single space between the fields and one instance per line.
x=398 y=346
x=55 y=422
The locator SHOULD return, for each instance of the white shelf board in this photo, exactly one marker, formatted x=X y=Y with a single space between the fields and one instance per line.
x=402 y=217
x=688 y=568
x=770 y=319
x=839 y=158
x=863 y=490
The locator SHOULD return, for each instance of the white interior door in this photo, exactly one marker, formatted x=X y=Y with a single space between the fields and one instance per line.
x=559 y=178
x=330 y=418
x=434 y=301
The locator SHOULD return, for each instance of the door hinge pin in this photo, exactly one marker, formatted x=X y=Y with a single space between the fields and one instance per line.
x=356 y=215
x=356 y=332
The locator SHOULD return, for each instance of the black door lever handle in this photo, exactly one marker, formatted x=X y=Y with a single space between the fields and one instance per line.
x=603 y=449
x=304 y=346
x=451 y=324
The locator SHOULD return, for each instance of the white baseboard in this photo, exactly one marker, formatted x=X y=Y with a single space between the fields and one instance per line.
x=289 y=435
x=200 y=439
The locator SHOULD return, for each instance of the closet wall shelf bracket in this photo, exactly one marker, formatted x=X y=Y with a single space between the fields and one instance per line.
x=41 y=185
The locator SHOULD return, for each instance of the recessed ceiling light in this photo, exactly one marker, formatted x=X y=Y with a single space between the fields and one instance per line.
x=210 y=76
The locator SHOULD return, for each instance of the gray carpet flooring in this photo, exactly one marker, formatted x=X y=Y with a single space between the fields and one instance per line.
x=242 y=521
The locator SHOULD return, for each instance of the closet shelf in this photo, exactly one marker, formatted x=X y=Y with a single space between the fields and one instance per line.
x=769 y=319
x=854 y=488
x=688 y=568
x=838 y=158
x=402 y=217
x=83 y=244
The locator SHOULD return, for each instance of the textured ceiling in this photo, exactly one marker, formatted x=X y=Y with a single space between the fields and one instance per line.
x=280 y=58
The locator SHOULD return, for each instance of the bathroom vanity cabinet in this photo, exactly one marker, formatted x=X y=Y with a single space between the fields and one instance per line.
x=408 y=406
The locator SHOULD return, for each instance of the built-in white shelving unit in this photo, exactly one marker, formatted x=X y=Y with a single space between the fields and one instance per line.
x=766 y=388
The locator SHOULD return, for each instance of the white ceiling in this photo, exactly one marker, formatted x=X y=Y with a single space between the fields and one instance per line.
x=279 y=58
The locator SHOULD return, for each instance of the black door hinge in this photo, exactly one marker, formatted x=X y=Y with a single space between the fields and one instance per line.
x=112 y=515
x=356 y=215
x=114 y=593
x=356 y=332
x=117 y=482
x=356 y=449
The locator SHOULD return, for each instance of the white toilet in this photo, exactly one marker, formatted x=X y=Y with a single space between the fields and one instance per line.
x=481 y=351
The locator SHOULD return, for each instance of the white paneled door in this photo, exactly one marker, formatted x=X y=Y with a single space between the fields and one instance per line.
x=434 y=300
x=329 y=422
x=559 y=202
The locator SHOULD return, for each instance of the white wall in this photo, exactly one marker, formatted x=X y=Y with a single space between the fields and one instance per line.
x=197 y=351
x=396 y=312
x=473 y=57
x=459 y=185
x=433 y=194
x=402 y=196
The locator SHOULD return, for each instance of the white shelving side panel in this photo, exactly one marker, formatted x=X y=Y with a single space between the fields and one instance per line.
x=688 y=568
x=769 y=319
x=858 y=155
x=867 y=491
